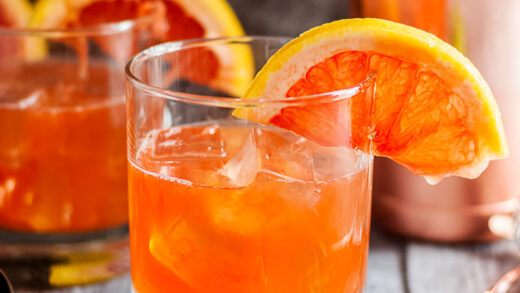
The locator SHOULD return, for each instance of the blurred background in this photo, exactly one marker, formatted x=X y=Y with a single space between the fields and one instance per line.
x=287 y=17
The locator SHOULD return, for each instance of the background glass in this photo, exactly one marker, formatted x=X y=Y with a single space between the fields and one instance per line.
x=220 y=204
x=63 y=190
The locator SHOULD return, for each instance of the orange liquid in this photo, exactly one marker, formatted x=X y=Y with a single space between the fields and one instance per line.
x=236 y=209
x=62 y=150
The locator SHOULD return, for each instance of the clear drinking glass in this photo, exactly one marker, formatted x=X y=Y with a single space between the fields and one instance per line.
x=63 y=188
x=221 y=204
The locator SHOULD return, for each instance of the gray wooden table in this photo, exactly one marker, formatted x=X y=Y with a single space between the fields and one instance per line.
x=398 y=265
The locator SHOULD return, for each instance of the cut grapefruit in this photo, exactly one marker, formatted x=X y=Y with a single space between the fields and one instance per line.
x=14 y=13
x=173 y=20
x=186 y=19
x=432 y=111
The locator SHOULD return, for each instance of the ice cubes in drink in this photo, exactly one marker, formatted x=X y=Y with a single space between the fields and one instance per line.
x=189 y=153
x=336 y=162
x=242 y=164
x=233 y=156
x=207 y=155
x=295 y=158
x=179 y=144
x=285 y=154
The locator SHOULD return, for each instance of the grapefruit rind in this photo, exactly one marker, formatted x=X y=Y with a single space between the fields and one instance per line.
x=293 y=60
x=216 y=17
x=219 y=20
x=18 y=12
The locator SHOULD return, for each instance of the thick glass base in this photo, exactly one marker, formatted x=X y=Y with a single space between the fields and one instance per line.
x=45 y=261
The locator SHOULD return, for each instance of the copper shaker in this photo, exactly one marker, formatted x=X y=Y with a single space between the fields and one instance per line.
x=488 y=33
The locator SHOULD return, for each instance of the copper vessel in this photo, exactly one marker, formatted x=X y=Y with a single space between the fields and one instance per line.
x=488 y=33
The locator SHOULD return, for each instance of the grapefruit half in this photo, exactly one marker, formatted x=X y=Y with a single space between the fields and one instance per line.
x=14 y=13
x=173 y=20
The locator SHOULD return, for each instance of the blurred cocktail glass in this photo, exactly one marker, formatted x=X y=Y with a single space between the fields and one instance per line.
x=63 y=190
x=220 y=204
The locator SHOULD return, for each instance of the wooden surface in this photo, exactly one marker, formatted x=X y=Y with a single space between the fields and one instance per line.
x=397 y=265
x=401 y=266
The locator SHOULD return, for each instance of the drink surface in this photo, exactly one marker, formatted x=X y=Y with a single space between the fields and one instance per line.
x=62 y=149
x=234 y=208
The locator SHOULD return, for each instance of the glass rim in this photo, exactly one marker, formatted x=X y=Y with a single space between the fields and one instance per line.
x=109 y=28
x=221 y=101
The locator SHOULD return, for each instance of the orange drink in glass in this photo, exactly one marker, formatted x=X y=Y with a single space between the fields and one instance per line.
x=63 y=191
x=220 y=204
x=60 y=148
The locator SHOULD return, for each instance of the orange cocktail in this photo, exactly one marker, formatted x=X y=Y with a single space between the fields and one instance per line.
x=62 y=159
x=219 y=204
x=62 y=116
x=299 y=223
x=63 y=172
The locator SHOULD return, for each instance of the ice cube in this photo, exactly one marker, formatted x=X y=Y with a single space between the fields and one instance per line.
x=187 y=143
x=193 y=153
x=207 y=261
x=285 y=154
x=243 y=165
x=334 y=162
x=301 y=196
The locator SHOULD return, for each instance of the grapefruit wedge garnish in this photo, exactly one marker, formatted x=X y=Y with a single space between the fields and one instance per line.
x=428 y=109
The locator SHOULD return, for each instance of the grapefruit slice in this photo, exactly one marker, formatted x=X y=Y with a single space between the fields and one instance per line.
x=186 y=19
x=14 y=13
x=59 y=14
x=183 y=19
x=432 y=111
